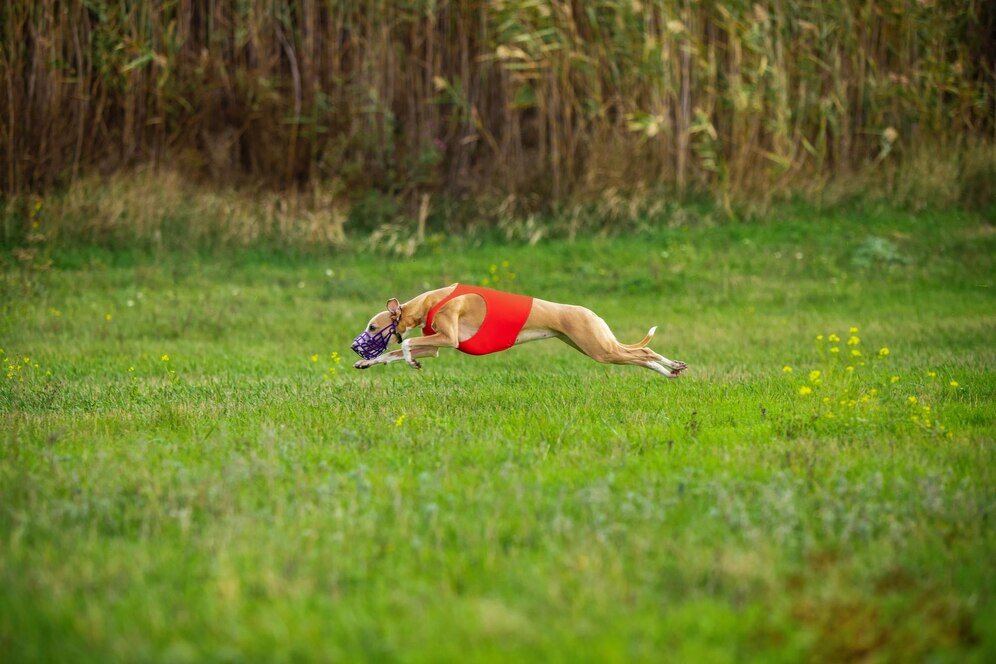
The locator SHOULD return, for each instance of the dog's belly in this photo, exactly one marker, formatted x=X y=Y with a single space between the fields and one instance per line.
x=534 y=335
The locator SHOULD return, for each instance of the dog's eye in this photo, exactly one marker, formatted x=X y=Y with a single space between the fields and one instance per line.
x=372 y=328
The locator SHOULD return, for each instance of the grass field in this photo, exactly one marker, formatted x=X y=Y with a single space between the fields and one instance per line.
x=187 y=473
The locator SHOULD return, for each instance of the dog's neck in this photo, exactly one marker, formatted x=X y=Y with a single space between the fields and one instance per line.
x=414 y=312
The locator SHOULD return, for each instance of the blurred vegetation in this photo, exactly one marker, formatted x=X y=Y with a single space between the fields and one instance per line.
x=538 y=101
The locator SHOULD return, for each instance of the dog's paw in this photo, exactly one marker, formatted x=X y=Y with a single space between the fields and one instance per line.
x=676 y=367
x=415 y=364
x=362 y=364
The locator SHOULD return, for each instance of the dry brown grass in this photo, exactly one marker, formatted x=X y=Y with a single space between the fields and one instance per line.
x=161 y=208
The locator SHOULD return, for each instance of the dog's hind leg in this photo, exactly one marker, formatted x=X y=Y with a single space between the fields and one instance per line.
x=588 y=333
x=654 y=366
x=673 y=365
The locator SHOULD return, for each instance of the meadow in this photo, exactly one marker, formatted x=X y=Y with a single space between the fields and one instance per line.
x=190 y=469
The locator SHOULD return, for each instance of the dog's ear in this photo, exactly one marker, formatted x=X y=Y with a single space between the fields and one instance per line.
x=394 y=307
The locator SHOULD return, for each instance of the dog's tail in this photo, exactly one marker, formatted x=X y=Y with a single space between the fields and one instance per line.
x=644 y=341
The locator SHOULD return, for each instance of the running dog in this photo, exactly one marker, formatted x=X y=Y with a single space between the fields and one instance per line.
x=479 y=321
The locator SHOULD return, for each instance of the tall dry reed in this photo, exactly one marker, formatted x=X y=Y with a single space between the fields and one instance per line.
x=534 y=98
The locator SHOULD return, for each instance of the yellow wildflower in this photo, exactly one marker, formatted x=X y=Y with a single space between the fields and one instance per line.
x=786 y=369
x=894 y=379
x=833 y=338
x=873 y=392
x=401 y=420
x=314 y=358
x=853 y=330
x=853 y=341
x=911 y=400
x=834 y=350
x=883 y=352
x=953 y=383
x=164 y=358
x=485 y=281
x=107 y=317
x=848 y=368
x=805 y=390
x=819 y=337
x=826 y=399
x=932 y=374
x=814 y=375
x=493 y=268
x=855 y=353
x=504 y=263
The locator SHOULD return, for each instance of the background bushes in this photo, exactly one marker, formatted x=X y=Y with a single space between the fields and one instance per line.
x=543 y=101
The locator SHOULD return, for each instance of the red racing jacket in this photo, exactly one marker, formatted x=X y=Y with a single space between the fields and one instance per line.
x=506 y=315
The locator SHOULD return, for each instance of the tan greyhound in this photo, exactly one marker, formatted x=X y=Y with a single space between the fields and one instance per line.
x=480 y=321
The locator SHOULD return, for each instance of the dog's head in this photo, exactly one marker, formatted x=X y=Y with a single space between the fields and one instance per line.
x=374 y=340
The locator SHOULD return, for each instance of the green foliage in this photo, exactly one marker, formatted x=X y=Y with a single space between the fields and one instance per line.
x=373 y=210
x=192 y=471
x=878 y=251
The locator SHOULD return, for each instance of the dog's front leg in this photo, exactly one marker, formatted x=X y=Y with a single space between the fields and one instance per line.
x=420 y=347
x=394 y=356
x=386 y=358
x=446 y=327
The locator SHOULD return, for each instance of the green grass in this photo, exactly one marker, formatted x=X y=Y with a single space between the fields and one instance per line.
x=528 y=504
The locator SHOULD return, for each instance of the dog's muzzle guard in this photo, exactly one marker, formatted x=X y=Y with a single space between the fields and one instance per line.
x=369 y=346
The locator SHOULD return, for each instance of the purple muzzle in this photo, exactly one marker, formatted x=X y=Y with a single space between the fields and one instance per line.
x=369 y=346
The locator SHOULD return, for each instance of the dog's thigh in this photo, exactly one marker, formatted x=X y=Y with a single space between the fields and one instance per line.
x=585 y=331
